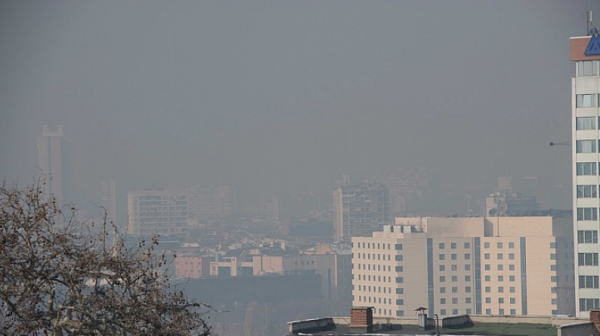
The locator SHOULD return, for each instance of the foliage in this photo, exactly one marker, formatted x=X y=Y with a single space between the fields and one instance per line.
x=58 y=278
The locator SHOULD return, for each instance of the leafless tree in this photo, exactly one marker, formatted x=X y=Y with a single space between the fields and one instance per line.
x=56 y=278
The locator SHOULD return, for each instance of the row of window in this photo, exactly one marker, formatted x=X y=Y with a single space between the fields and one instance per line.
x=375 y=289
x=499 y=256
x=586 y=146
x=488 y=289
x=511 y=278
x=511 y=267
x=501 y=300
x=499 y=245
x=588 y=281
x=587 y=237
x=387 y=312
x=374 y=299
x=587 y=191
x=454 y=256
x=379 y=246
x=586 y=100
x=454 y=278
x=585 y=123
x=586 y=169
x=587 y=259
x=367 y=267
x=454 y=311
x=455 y=268
x=454 y=245
x=588 y=304
x=454 y=300
x=586 y=214
x=374 y=278
x=587 y=68
x=488 y=311
x=453 y=289
x=375 y=256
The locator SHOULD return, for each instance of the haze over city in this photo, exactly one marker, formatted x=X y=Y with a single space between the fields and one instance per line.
x=313 y=158
x=283 y=97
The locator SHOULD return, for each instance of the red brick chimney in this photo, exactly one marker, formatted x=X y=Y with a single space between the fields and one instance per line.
x=361 y=318
x=595 y=318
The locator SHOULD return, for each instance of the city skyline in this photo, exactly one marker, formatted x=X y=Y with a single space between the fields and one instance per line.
x=288 y=159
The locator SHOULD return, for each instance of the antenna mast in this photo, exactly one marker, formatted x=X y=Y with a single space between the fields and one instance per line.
x=588 y=22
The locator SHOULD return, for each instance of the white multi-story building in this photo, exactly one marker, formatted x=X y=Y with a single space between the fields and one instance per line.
x=160 y=211
x=473 y=265
x=585 y=86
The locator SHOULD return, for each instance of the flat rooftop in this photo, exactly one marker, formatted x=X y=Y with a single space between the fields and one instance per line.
x=482 y=329
x=475 y=325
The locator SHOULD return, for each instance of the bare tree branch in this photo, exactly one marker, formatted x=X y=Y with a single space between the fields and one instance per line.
x=56 y=278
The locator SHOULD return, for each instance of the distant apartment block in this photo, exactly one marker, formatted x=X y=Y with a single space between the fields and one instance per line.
x=332 y=264
x=252 y=263
x=192 y=266
x=487 y=265
x=360 y=209
x=513 y=204
x=55 y=164
x=162 y=212
x=214 y=202
x=585 y=102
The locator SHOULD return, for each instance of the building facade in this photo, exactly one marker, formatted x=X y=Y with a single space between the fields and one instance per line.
x=585 y=90
x=160 y=211
x=495 y=265
x=360 y=209
x=55 y=163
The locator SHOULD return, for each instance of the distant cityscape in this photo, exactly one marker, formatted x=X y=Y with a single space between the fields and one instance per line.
x=367 y=245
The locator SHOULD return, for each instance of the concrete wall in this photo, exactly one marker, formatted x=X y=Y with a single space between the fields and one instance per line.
x=455 y=227
x=577 y=329
x=552 y=320
x=311 y=325
x=455 y=321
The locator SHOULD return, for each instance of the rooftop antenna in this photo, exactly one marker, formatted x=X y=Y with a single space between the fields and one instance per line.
x=589 y=22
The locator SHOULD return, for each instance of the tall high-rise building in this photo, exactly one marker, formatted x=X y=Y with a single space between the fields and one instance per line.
x=360 y=209
x=470 y=265
x=55 y=163
x=585 y=95
x=109 y=200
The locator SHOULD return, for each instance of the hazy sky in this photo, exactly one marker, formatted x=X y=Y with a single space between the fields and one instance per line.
x=281 y=96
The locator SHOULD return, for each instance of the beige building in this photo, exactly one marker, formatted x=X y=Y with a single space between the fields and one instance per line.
x=493 y=265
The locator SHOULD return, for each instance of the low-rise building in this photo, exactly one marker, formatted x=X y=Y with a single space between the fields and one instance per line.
x=192 y=266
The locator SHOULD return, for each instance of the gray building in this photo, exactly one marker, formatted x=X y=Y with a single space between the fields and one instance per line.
x=158 y=211
x=360 y=209
x=55 y=164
